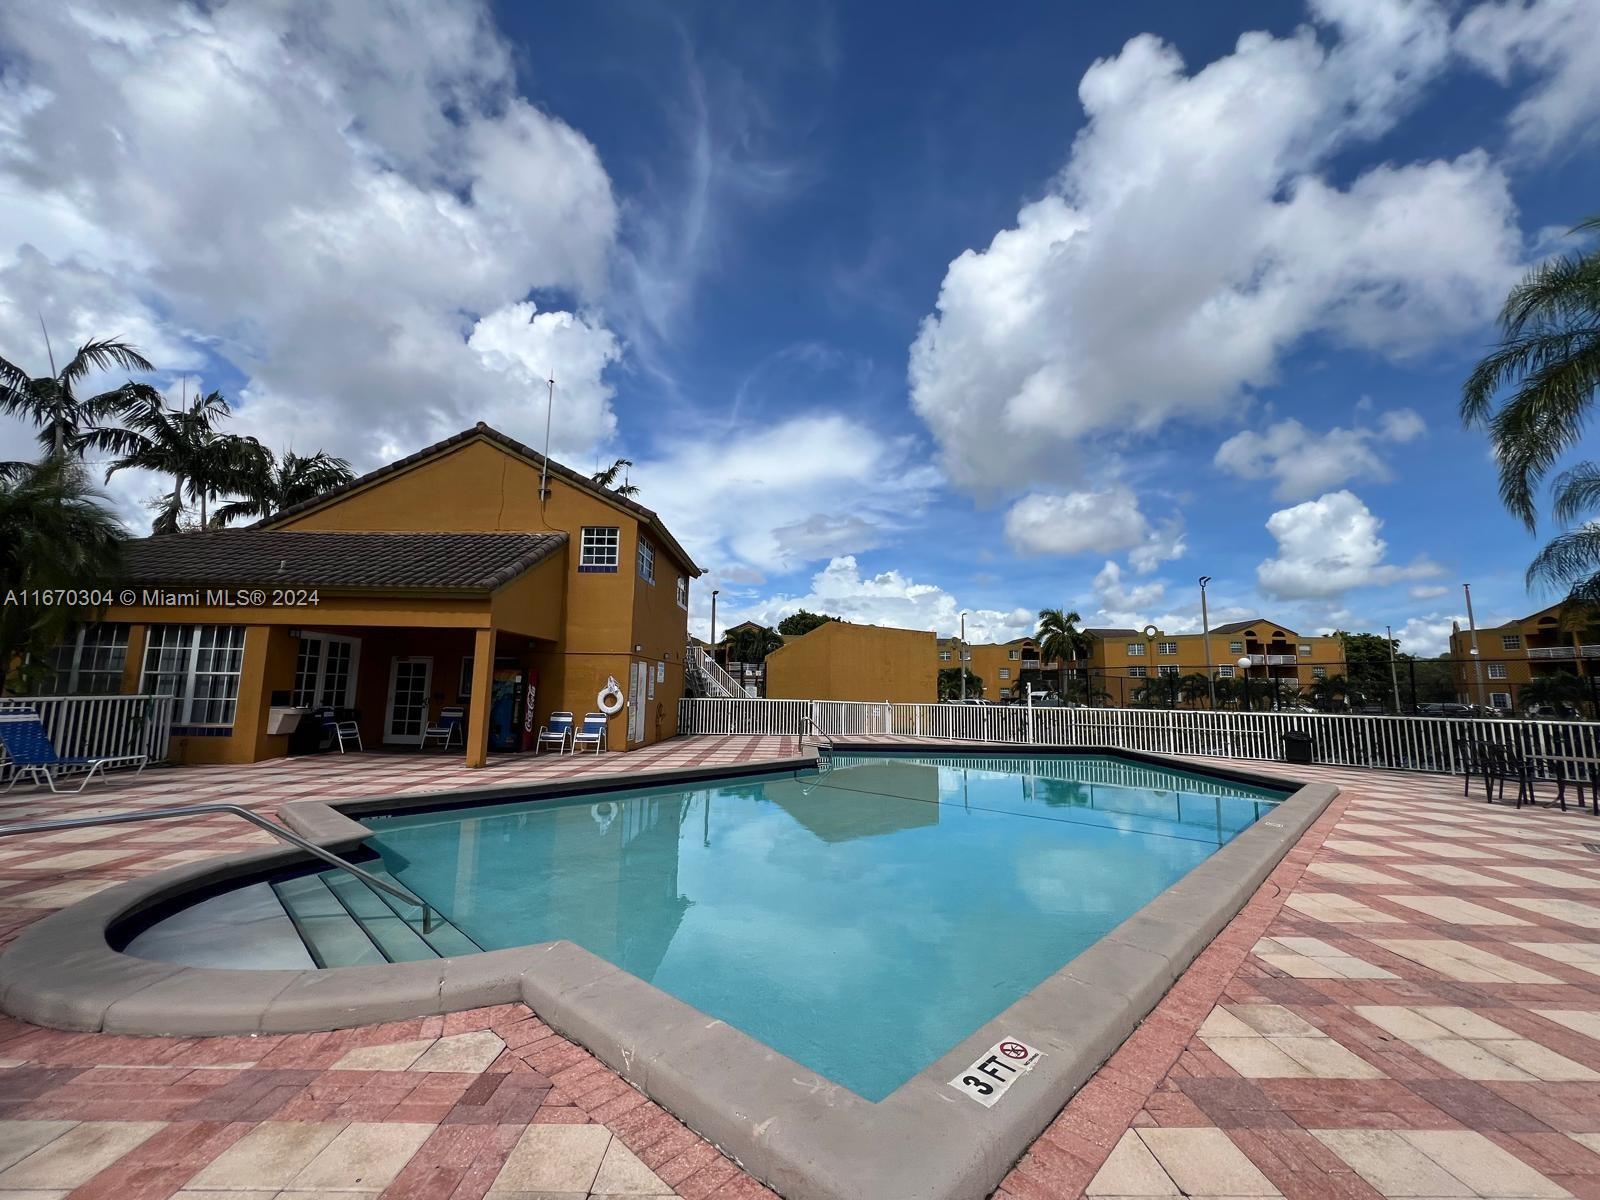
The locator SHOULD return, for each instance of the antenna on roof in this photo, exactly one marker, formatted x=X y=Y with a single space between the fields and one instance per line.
x=544 y=468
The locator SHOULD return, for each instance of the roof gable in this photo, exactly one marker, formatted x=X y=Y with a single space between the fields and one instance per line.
x=508 y=445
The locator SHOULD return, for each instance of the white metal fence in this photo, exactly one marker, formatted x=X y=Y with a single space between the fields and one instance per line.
x=1395 y=743
x=99 y=726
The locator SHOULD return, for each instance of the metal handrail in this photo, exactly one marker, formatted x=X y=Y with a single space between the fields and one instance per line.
x=278 y=831
x=812 y=721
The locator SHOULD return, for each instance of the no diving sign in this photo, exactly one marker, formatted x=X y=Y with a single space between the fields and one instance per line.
x=988 y=1079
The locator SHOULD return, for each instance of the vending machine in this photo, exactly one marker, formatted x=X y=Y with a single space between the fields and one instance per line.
x=506 y=704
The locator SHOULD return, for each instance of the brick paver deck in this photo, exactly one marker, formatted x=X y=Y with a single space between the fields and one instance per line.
x=1410 y=1007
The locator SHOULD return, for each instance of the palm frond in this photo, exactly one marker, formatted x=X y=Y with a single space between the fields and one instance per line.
x=1577 y=493
x=1569 y=559
x=1543 y=419
x=102 y=356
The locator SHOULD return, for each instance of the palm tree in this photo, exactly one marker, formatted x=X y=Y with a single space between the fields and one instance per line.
x=1326 y=693
x=1549 y=356
x=1558 y=690
x=608 y=478
x=58 y=535
x=183 y=442
x=52 y=403
x=950 y=684
x=1061 y=640
x=751 y=644
x=1194 y=688
x=275 y=484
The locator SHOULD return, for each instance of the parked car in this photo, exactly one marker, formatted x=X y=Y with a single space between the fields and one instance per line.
x=1447 y=708
x=1552 y=712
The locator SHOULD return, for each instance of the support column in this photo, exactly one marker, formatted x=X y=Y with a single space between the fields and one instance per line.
x=482 y=689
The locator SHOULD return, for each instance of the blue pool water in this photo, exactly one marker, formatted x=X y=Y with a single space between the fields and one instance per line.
x=862 y=921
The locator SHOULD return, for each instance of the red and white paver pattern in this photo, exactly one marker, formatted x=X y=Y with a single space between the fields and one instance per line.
x=1410 y=1007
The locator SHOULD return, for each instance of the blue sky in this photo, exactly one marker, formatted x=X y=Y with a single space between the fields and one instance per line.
x=899 y=311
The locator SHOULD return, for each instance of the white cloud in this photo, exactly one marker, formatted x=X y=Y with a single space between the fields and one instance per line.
x=1559 y=41
x=1326 y=547
x=1305 y=463
x=782 y=496
x=1427 y=591
x=1190 y=242
x=888 y=598
x=1429 y=636
x=1121 y=604
x=1101 y=522
x=346 y=204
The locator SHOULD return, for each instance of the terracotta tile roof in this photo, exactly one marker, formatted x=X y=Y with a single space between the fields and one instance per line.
x=505 y=442
x=256 y=557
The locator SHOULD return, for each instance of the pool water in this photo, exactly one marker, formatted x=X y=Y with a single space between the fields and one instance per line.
x=861 y=921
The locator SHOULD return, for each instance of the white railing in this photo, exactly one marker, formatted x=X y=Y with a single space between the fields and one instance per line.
x=1394 y=743
x=717 y=680
x=100 y=726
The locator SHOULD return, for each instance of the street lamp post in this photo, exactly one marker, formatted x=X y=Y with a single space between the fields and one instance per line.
x=714 y=592
x=1244 y=666
x=961 y=656
x=1205 y=637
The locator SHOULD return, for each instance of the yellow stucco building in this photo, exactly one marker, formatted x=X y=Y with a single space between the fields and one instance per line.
x=1121 y=660
x=472 y=574
x=999 y=664
x=1547 y=642
x=839 y=660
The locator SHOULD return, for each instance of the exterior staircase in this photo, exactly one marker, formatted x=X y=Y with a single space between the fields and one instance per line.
x=712 y=680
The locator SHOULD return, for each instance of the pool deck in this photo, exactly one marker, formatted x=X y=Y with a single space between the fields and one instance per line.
x=1409 y=1007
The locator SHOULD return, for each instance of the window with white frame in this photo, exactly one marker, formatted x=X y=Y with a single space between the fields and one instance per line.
x=1135 y=649
x=1305 y=650
x=1013 y=654
x=1319 y=672
x=1224 y=672
x=1235 y=647
x=1511 y=641
x=647 y=561
x=683 y=591
x=600 y=548
x=1005 y=672
x=88 y=661
x=1167 y=648
x=198 y=665
x=1498 y=671
x=945 y=655
x=1138 y=672
x=1499 y=699
x=1168 y=669
x=1005 y=693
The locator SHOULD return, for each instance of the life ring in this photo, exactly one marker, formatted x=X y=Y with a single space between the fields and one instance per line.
x=610 y=700
x=603 y=813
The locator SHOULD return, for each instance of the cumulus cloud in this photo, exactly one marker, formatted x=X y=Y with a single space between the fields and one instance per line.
x=1326 y=547
x=1102 y=522
x=1305 y=463
x=889 y=598
x=777 y=498
x=1211 y=183
x=1559 y=41
x=1428 y=636
x=1427 y=591
x=346 y=205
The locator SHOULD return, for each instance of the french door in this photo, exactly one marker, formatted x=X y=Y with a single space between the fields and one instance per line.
x=638 y=682
x=410 y=681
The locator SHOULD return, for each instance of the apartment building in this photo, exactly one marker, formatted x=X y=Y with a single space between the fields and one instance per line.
x=999 y=664
x=1510 y=656
x=1121 y=659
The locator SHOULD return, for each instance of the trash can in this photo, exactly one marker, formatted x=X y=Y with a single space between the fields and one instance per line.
x=1297 y=747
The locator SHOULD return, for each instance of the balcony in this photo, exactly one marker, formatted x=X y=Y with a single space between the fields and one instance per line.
x=1272 y=660
x=1563 y=652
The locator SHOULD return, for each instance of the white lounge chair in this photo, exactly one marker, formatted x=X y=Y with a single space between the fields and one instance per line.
x=593 y=732
x=557 y=733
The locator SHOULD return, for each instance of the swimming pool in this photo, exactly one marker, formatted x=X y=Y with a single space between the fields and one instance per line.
x=861 y=920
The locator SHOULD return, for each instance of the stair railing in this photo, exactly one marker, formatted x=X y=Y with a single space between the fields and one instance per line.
x=277 y=831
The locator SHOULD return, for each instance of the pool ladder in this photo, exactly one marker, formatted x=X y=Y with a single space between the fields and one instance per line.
x=277 y=831
x=822 y=735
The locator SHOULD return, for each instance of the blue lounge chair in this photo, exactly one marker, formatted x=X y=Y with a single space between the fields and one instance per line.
x=593 y=732
x=557 y=733
x=29 y=751
x=449 y=729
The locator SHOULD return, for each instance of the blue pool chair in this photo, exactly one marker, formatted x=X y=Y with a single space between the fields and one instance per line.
x=449 y=729
x=593 y=732
x=557 y=733
x=30 y=752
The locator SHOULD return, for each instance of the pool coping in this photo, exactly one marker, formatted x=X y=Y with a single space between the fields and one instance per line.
x=808 y=1138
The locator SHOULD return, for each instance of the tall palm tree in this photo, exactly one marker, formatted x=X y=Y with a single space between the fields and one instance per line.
x=752 y=644
x=1549 y=358
x=274 y=484
x=1060 y=639
x=1194 y=687
x=1557 y=690
x=58 y=535
x=183 y=442
x=607 y=478
x=52 y=402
